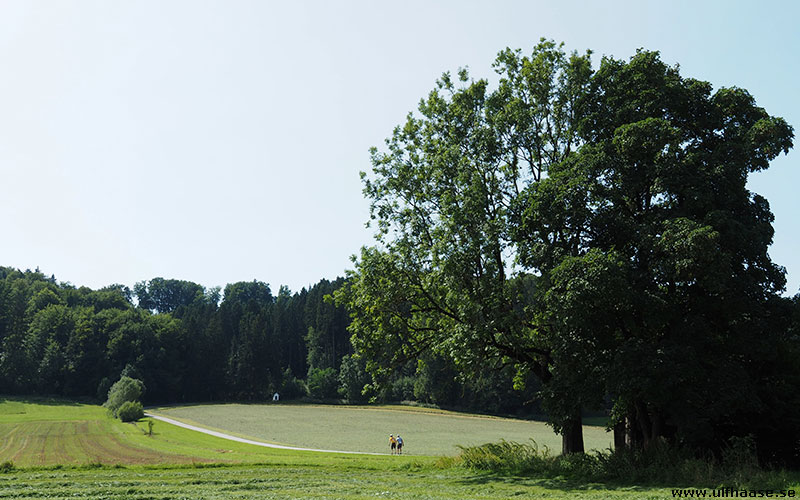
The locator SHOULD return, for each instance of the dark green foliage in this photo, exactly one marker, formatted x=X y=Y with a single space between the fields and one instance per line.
x=400 y=389
x=327 y=339
x=130 y=411
x=168 y=295
x=102 y=388
x=594 y=229
x=246 y=320
x=487 y=390
x=442 y=196
x=353 y=377
x=436 y=381
x=291 y=387
x=323 y=383
x=58 y=339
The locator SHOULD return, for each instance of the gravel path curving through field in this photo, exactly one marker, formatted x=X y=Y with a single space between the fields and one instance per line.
x=249 y=441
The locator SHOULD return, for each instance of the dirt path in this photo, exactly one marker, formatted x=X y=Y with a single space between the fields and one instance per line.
x=248 y=441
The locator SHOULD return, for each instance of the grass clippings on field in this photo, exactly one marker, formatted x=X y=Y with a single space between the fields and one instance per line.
x=366 y=429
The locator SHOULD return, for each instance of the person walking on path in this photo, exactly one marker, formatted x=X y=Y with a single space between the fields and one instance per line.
x=399 y=445
x=392 y=443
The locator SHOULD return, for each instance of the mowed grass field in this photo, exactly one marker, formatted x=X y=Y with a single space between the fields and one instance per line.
x=301 y=482
x=64 y=450
x=366 y=428
x=37 y=432
x=45 y=432
x=40 y=432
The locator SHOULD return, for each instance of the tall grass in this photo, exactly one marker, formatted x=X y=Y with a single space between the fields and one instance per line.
x=658 y=465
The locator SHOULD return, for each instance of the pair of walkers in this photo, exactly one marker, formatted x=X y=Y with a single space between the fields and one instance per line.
x=396 y=444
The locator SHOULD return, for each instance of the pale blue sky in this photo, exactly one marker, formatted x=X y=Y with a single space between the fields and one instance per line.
x=219 y=141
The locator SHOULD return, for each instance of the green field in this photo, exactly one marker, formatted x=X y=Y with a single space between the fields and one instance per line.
x=294 y=482
x=57 y=449
x=41 y=432
x=48 y=433
x=352 y=428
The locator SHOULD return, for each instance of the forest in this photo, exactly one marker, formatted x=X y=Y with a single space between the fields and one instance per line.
x=191 y=344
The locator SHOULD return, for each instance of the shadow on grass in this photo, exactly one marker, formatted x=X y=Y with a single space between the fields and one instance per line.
x=563 y=484
x=42 y=400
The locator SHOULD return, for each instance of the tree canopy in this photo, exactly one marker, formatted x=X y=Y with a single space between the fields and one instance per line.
x=591 y=227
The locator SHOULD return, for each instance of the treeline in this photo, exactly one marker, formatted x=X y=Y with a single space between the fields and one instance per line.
x=189 y=343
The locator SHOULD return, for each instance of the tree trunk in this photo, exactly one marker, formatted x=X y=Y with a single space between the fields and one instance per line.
x=620 y=436
x=658 y=428
x=633 y=438
x=645 y=425
x=572 y=436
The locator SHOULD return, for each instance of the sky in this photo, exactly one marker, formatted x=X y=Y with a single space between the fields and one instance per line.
x=221 y=141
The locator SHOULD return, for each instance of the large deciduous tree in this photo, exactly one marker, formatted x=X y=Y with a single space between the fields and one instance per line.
x=441 y=195
x=593 y=228
x=663 y=174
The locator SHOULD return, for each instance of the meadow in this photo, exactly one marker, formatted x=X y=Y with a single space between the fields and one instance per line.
x=298 y=481
x=366 y=428
x=46 y=433
x=58 y=449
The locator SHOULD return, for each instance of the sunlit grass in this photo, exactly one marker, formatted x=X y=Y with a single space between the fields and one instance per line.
x=366 y=428
x=332 y=481
x=44 y=433
x=66 y=442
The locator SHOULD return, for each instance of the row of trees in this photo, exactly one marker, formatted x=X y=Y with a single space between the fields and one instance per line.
x=186 y=343
x=183 y=341
x=591 y=228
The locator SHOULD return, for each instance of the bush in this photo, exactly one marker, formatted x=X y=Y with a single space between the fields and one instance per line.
x=102 y=389
x=130 y=411
x=507 y=456
x=659 y=464
x=402 y=389
x=352 y=379
x=323 y=383
x=291 y=387
x=123 y=390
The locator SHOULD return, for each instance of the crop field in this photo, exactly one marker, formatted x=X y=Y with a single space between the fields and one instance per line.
x=349 y=428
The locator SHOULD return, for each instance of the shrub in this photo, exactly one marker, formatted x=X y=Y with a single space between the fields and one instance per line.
x=402 y=389
x=130 y=411
x=323 y=383
x=506 y=456
x=123 y=390
x=659 y=464
x=102 y=389
x=352 y=379
x=291 y=387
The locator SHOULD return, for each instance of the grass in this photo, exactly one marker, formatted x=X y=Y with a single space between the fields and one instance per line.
x=50 y=433
x=425 y=431
x=66 y=445
x=294 y=482
x=658 y=465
